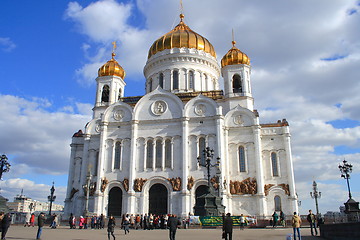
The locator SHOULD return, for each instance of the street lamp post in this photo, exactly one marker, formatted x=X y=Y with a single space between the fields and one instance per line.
x=315 y=194
x=86 y=188
x=208 y=156
x=4 y=165
x=51 y=198
x=351 y=206
x=345 y=170
x=209 y=204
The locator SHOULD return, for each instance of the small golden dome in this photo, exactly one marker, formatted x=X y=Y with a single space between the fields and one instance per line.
x=234 y=56
x=181 y=36
x=111 y=68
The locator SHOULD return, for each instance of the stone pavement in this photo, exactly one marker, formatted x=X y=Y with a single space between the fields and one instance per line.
x=64 y=233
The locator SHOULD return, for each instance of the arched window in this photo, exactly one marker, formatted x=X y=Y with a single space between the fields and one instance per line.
x=274 y=165
x=191 y=80
x=242 y=163
x=117 y=155
x=158 y=161
x=201 y=150
x=105 y=94
x=277 y=203
x=150 y=85
x=149 y=154
x=237 y=84
x=175 y=79
x=168 y=153
x=119 y=94
x=161 y=80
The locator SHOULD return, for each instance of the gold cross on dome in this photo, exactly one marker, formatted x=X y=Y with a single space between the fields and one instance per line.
x=114 y=46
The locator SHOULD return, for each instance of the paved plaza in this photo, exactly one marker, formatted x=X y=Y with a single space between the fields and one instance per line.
x=64 y=233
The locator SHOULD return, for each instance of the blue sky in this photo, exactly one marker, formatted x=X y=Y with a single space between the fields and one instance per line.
x=305 y=59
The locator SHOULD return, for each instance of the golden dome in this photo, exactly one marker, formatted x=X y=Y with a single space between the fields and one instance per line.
x=234 y=56
x=181 y=36
x=111 y=68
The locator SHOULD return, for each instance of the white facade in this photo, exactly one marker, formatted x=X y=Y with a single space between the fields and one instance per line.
x=141 y=152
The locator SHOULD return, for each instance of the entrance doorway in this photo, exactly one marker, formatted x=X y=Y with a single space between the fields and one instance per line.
x=158 y=199
x=115 y=202
x=201 y=190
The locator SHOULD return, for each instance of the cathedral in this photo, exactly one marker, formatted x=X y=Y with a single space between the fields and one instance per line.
x=145 y=154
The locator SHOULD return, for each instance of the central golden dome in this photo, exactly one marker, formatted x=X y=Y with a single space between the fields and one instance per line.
x=181 y=36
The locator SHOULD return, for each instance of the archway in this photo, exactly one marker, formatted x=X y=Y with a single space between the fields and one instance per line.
x=158 y=199
x=115 y=202
x=201 y=190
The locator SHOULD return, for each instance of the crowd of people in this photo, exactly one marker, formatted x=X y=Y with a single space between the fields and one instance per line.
x=154 y=221
x=128 y=221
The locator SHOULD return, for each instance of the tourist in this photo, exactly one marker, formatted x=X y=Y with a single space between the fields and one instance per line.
x=173 y=223
x=27 y=219
x=54 y=221
x=275 y=217
x=146 y=221
x=296 y=223
x=41 y=222
x=137 y=221
x=111 y=227
x=242 y=221
x=81 y=222
x=126 y=224
x=32 y=220
x=282 y=219
x=132 y=221
x=312 y=220
x=227 y=227
x=5 y=224
x=151 y=222
x=93 y=222
x=72 y=221
x=102 y=221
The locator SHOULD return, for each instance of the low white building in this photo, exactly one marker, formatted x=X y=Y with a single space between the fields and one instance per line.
x=141 y=153
x=23 y=204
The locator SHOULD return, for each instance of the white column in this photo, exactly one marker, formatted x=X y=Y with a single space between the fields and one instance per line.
x=145 y=152
x=172 y=153
x=220 y=144
x=226 y=172
x=85 y=160
x=68 y=203
x=71 y=168
x=112 y=93
x=163 y=154
x=290 y=169
x=185 y=208
x=132 y=171
x=259 y=169
x=154 y=154
x=167 y=80
x=98 y=208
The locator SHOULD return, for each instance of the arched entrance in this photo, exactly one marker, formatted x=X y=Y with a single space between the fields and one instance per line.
x=115 y=202
x=200 y=190
x=158 y=199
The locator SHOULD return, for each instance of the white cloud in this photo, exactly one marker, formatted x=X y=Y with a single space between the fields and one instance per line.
x=6 y=44
x=13 y=187
x=37 y=138
x=102 y=21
